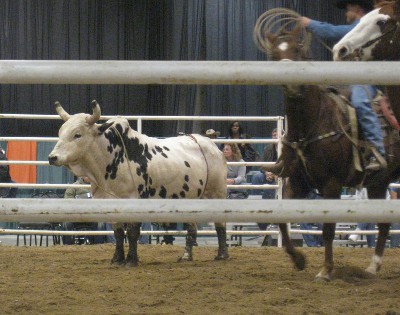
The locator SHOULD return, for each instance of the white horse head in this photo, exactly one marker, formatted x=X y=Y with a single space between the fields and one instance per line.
x=374 y=38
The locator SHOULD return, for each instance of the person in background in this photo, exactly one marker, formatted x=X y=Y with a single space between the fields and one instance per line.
x=83 y=193
x=145 y=239
x=212 y=134
x=361 y=195
x=5 y=177
x=395 y=238
x=361 y=95
x=236 y=175
x=249 y=154
x=312 y=240
x=270 y=154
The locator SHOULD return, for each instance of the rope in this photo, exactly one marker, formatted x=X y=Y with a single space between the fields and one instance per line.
x=205 y=159
x=278 y=21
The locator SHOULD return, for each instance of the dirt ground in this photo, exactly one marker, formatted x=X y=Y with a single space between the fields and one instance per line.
x=80 y=280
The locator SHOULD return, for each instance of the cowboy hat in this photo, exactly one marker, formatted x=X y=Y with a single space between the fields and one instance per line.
x=211 y=132
x=367 y=5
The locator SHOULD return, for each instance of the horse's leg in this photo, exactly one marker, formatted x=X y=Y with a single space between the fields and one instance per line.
x=328 y=234
x=119 y=234
x=191 y=236
x=297 y=257
x=133 y=234
x=331 y=190
x=222 y=247
x=378 y=192
x=376 y=262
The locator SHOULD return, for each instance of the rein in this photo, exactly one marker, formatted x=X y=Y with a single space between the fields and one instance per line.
x=369 y=43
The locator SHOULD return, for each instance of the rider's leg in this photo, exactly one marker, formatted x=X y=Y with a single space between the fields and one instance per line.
x=361 y=97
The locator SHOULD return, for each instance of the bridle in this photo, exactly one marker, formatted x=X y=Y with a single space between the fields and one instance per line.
x=395 y=29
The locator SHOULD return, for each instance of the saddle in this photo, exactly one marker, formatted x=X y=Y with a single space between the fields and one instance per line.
x=380 y=104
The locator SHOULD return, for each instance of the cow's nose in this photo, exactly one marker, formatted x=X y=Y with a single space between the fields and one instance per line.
x=52 y=159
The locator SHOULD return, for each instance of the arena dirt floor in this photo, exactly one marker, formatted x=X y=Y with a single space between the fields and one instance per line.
x=80 y=280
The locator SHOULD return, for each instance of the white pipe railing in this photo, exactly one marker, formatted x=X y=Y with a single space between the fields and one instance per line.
x=184 y=233
x=197 y=72
x=190 y=210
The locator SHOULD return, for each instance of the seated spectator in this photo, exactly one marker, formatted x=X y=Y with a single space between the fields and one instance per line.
x=5 y=177
x=360 y=195
x=395 y=238
x=236 y=175
x=312 y=240
x=212 y=134
x=249 y=154
x=83 y=193
x=270 y=154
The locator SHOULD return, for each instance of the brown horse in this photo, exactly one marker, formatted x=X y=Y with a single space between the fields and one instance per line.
x=318 y=151
x=376 y=37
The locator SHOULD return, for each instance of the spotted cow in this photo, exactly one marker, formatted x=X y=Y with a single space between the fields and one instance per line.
x=123 y=163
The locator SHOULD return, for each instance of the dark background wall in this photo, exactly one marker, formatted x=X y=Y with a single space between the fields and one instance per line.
x=142 y=30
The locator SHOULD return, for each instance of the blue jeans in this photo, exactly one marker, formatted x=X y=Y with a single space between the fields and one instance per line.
x=368 y=227
x=260 y=179
x=395 y=238
x=109 y=238
x=145 y=239
x=310 y=239
x=361 y=97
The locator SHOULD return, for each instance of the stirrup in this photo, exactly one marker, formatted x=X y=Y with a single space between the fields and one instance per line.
x=376 y=162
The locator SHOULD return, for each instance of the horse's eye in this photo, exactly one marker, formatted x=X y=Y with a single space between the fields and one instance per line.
x=381 y=23
x=77 y=136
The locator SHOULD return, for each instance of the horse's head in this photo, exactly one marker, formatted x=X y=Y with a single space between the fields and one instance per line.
x=376 y=36
x=279 y=33
x=286 y=46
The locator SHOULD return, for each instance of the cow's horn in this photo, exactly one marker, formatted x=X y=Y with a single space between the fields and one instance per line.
x=96 y=113
x=60 y=111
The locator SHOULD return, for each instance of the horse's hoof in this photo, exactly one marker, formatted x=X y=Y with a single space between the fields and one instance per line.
x=185 y=257
x=371 y=270
x=320 y=279
x=221 y=257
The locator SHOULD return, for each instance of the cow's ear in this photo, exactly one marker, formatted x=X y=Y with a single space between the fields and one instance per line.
x=104 y=127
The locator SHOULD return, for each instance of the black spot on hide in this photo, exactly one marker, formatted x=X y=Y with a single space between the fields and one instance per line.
x=126 y=148
x=201 y=182
x=198 y=192
x=163 y=192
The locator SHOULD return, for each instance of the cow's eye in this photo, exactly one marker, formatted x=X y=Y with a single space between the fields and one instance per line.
x=77 y=136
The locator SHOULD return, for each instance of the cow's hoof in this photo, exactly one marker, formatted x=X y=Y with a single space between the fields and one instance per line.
x=117 y=262
x=132 y=264
x=299 y=261
x=221 y=257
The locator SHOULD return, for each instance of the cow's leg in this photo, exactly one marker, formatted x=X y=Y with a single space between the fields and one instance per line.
x=328 y=234
x=376 y=262
x=133 y=234
x=297 y=257
x=191 y=236
x=222 y=247
x=119 y=234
